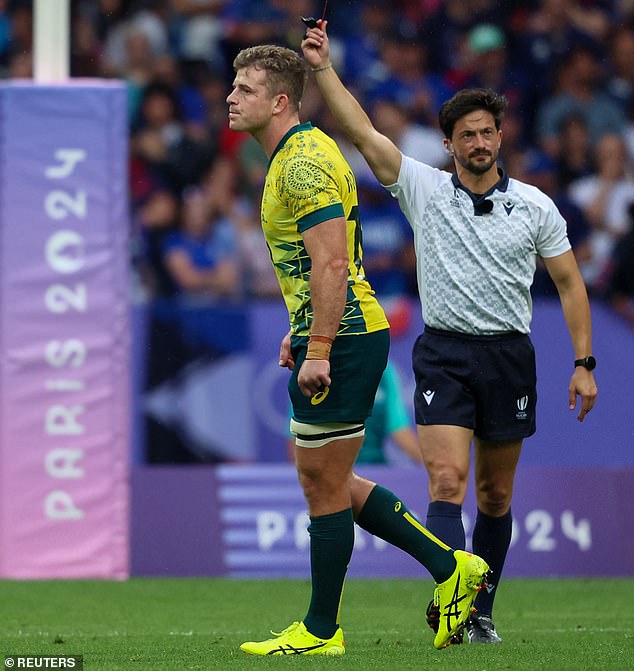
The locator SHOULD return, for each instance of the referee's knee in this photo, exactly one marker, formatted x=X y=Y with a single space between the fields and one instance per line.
x=494 y=502
x=447 y=485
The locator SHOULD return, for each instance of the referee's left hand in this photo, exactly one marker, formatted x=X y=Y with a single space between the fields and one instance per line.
x=582 y=384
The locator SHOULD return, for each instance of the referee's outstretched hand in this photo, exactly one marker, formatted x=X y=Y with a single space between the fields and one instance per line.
x=315 y=46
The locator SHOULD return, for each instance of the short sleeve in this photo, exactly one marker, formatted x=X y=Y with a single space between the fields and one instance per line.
x=310 y=191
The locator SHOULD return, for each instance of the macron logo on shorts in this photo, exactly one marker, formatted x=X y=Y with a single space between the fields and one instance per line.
x=428 y=396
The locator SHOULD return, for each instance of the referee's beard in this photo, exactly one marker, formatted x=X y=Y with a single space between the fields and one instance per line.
x=479 y=167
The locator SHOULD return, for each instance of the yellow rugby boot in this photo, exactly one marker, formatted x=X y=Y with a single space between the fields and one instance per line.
x=296 y=640
x=455 y=596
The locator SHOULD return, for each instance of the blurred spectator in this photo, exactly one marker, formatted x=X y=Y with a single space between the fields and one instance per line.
x=604 y=198
x=514 y=143
x=258 y=277
x=621 y=80
x=540 y=170
x=141 y=35
x=249 y=22
x=5 y=31
x=620 y=278
x=187 y=86
x=153 y=219
x=628 y=134
x=161 y=139
x=197 y=29
x=361 y=44
x=489 y=67
x=413 y=139
x=446 y=29
x=202 y=255
x=20 y=65
x=575 y=156
x=21 y=26
x=257 y=274
x=548 y=36
x=388 y=243
x=405 y=79
x=578 y=91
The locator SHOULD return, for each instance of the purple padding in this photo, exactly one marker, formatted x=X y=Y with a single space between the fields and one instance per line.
x=64 y=330
x=175 y=522
x=245 y=521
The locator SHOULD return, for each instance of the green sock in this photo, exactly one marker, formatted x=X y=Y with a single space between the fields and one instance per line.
x=331 y=543
x=386 y=516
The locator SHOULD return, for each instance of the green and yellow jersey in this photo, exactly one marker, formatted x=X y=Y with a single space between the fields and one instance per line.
x=309 y=181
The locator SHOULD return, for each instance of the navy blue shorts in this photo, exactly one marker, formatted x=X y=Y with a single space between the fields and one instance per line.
x=484 y=383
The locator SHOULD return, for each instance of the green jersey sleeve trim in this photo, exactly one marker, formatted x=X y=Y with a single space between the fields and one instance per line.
x=324 y=214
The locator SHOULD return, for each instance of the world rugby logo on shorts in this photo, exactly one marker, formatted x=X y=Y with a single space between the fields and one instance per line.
x=522 y=404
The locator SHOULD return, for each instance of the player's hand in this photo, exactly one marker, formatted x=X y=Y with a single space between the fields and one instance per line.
x=313 y=376
x=316 y=47
x=582 y=384
x=286 y=358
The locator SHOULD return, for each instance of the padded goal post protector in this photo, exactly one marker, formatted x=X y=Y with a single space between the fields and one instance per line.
x=64 y=330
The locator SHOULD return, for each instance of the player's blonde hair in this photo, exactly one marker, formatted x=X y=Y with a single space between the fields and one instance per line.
x=286 y=71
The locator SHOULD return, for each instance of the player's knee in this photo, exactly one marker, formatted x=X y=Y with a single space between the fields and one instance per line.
x=320 y=485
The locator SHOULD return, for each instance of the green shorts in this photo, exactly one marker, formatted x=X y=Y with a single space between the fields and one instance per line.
x=357 y=363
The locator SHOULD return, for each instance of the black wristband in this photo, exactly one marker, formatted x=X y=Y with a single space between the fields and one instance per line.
x=588 y=362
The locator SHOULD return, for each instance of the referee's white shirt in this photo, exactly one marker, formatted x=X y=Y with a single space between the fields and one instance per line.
x=475 y=270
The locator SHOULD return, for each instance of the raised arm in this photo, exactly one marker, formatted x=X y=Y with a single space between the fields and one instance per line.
x=381 y=154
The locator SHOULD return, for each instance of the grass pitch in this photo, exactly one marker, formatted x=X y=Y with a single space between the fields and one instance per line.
x=198 y=624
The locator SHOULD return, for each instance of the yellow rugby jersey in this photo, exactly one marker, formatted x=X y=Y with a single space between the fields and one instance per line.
x=309 y=181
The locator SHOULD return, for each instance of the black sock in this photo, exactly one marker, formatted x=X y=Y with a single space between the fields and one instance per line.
x=444 y=520
x=387 y=517
x=331 y=543
x=491 y=540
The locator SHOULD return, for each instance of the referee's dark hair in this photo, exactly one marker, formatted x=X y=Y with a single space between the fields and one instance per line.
x=467 y=101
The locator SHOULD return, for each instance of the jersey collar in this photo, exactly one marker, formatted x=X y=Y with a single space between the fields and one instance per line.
x=307 y=125
x=501 y=185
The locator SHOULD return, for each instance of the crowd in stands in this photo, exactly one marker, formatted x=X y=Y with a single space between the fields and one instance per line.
x=566 y=67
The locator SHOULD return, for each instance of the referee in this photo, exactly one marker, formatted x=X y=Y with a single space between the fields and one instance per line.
x=477 y=235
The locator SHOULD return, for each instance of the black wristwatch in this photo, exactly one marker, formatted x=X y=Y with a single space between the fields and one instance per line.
x=588 y=362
